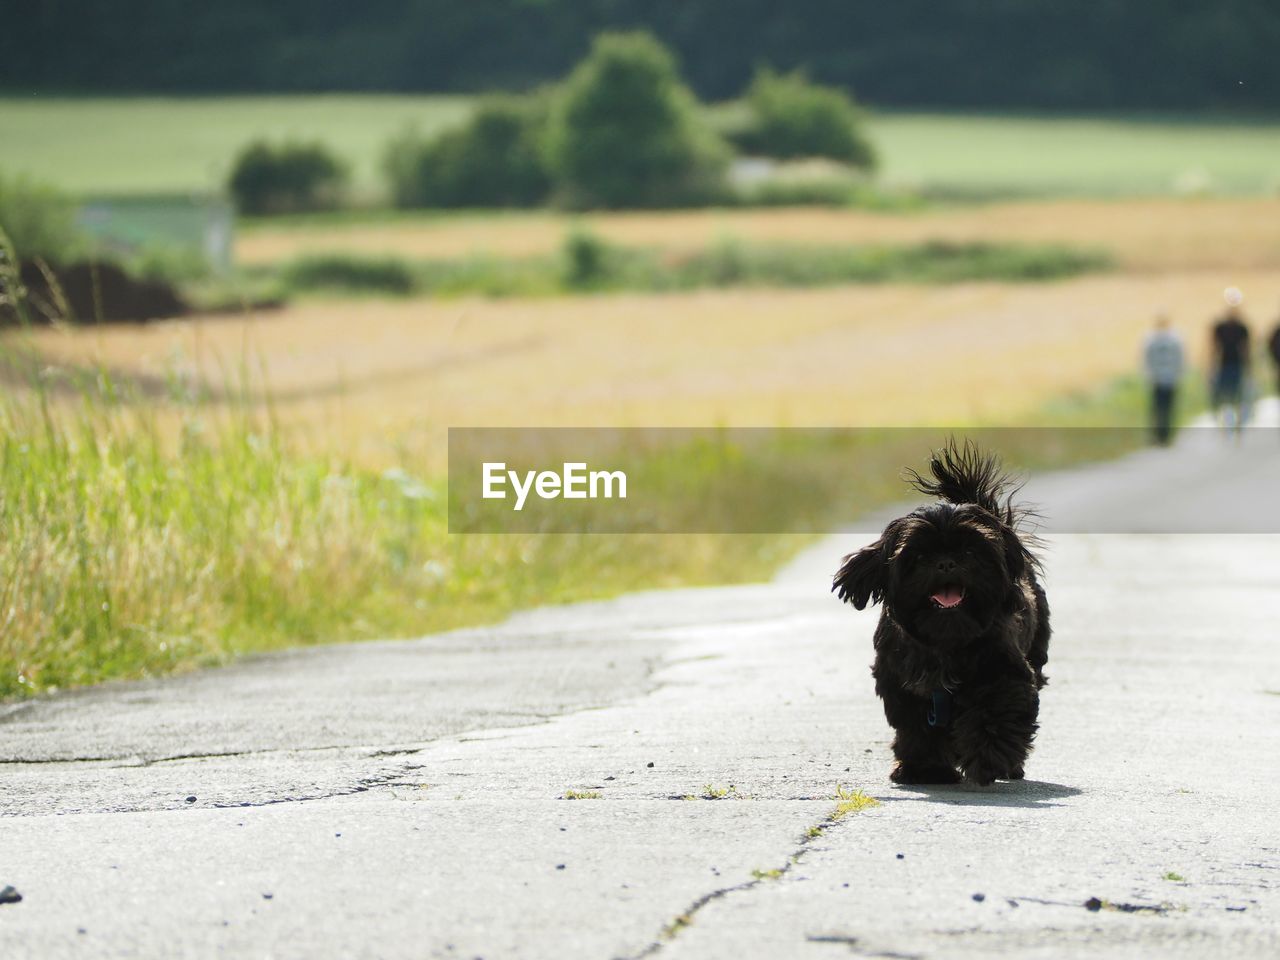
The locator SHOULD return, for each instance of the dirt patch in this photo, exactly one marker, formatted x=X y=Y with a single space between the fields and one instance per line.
x=85 y=292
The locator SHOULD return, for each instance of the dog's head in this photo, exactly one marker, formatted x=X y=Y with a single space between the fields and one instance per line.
x=943 y=572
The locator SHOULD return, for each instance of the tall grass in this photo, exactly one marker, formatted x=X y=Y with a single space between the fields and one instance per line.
x=133 y=547
x=129 y=552
x=132 y=550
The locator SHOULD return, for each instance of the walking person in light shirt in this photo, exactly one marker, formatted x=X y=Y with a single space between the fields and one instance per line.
x=1162 y=357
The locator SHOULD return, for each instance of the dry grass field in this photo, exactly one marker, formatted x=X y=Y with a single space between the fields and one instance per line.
x=1148 y=234
x=379 y=377
x=382 y=378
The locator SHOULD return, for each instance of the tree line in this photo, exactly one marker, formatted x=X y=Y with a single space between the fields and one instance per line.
x=1001 y=54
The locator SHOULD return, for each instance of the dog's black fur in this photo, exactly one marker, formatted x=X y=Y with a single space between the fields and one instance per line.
x=979 y=659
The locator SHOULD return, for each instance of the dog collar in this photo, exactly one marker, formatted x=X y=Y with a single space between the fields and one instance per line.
x=940 y=708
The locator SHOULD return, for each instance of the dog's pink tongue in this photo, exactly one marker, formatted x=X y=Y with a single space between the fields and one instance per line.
x=948 y=597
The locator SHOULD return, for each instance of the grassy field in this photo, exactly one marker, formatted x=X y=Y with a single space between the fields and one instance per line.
x=379 y=377
x=1090 y=156
x=150 y=145
x=1142 y=235
x=97 y=145
x=128 y=555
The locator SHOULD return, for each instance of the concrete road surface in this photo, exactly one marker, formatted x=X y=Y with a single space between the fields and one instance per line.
x=407 y=799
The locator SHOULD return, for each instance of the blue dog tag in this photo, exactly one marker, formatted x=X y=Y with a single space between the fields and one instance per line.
x=940 y=708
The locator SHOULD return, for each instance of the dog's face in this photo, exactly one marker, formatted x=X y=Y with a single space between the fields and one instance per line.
x=944 y=572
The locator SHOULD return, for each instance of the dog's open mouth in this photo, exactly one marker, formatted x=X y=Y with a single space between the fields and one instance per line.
x=948 y=597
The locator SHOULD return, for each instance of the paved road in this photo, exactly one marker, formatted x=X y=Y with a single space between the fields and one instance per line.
x=403 y=799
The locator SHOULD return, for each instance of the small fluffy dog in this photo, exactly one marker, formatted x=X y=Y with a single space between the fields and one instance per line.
x=964 y=628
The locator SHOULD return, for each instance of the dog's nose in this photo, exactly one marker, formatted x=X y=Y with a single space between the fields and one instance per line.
x=946 y=565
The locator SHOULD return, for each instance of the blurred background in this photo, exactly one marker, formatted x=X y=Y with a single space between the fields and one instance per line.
x=259 y=257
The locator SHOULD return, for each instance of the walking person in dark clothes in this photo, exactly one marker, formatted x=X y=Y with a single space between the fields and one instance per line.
x=1273 y=347
x=1229 y=363
x=1162 y=356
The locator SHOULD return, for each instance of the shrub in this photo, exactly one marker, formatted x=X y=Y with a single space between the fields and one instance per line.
x=625 y=131
x=586 y=260
x=39 y=221
x=344 y=273
x=495 y=160
x=792 y=117
x=286 y=178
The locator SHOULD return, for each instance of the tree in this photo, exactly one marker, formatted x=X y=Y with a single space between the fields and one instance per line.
x=625 y=131
x=288 y=178
x=792 y=117
x=495 y=160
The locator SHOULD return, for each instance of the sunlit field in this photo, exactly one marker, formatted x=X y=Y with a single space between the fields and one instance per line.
x=1152 y=234
x=377 y=377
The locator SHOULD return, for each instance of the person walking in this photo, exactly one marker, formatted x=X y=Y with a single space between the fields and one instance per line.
x=1273 y=348
x=1162 y=356
x=1229 y=363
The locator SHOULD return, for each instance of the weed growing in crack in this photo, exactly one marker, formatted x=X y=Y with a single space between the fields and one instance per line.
x=582 y=795
x=851 y=801
x=676 y=925
x=711 y=792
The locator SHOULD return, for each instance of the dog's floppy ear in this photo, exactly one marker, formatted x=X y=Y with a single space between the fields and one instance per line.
x=863 y=576
x=1017 y=557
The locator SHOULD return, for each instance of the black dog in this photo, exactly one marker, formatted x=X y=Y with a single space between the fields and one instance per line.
x=964 y=630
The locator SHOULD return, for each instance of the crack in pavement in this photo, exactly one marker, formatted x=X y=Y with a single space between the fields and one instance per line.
x=363 y=785
x=852 y=944
x=1094 y=904
x=133 y=761
x=686 y=917
x=371 y=751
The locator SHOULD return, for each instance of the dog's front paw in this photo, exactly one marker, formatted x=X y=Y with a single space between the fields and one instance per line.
x=985 y=774
x=923 y=773
x=980 y=777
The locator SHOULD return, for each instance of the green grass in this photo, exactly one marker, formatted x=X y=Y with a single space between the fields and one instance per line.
x=582 y=795
x=729 y=263
x=149 y=145
x=127 y=554
x=990 y=156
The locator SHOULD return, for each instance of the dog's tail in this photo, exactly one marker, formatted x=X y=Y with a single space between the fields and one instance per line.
x=964 y=474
